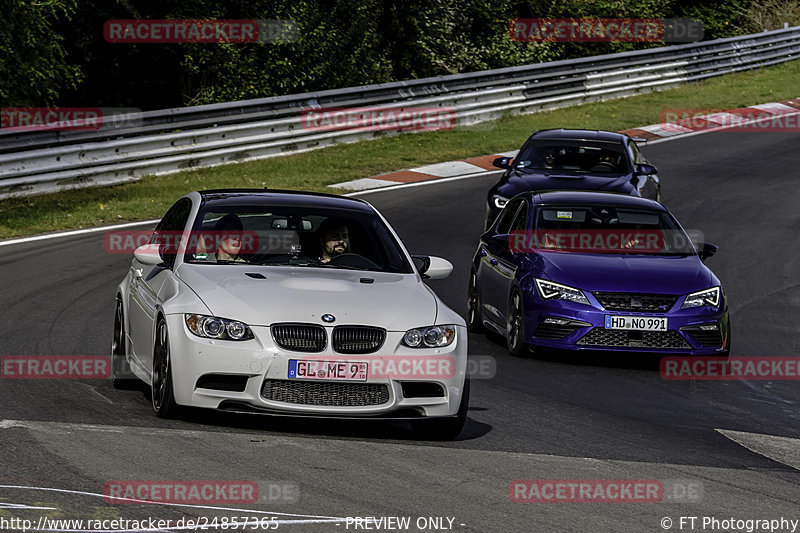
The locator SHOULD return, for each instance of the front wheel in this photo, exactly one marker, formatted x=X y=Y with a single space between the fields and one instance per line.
x=515 y=324
x=121 y=374
x=445 y=428
x=474 y=320
x=163 y=397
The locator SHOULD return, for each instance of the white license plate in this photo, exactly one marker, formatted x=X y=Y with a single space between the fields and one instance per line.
x=335 y=370
x=637 y=323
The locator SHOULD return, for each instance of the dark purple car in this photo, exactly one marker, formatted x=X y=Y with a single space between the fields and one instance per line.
x=574 y=159
x=596 y=271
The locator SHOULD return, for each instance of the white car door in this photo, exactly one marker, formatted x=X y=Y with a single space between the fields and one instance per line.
x=147 y=281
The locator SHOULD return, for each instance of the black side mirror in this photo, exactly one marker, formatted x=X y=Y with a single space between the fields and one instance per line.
x=706 y=250
x=643 y=169
x=502 y=162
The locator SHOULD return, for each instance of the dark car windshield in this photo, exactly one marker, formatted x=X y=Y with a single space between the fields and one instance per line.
x=573 y=156
x=603 y=229
x=296 y=236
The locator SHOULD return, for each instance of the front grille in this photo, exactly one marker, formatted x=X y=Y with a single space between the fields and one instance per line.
x=634 y=339
x=632 y=301
x=553 y=331
x=705 y=337
x=325 y=393
x=299 y=337
x=358 y=339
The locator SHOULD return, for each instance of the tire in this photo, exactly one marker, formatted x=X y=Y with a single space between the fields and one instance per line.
x=163 y=398
x=121 y=375
x=445 y=428
x=474 y=320
x=515 y=325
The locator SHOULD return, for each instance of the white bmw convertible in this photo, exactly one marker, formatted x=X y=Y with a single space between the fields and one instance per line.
x=290 y=303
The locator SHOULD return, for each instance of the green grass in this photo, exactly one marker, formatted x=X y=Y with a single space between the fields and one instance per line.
x=314 y=171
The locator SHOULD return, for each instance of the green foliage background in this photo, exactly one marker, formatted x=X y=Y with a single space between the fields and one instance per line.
x=52 y=52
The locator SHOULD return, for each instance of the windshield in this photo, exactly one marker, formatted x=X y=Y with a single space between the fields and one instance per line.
x=573 y=156
x=603 y=229
x=296 y=236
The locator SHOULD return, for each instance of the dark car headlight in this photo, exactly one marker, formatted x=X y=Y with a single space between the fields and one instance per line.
x=700 y=298
x=430 y=337
x=549 y=290
x=212 y=327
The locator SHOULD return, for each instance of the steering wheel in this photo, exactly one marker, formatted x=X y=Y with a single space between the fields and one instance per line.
x=604 y=166
x=354 y=260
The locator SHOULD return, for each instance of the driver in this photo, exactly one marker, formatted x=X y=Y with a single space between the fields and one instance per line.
x=228 y=230
x=334 y=238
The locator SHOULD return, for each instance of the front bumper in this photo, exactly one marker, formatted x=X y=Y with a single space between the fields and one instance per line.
x=689 y=331
x=253 y=376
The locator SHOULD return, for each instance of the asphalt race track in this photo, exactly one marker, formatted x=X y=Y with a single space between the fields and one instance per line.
x=734 y=444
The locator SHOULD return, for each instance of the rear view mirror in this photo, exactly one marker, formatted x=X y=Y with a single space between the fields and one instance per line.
x=643 y=169
x=706 y=250
x=149 y=254
x=431 y=267
x=502 y=162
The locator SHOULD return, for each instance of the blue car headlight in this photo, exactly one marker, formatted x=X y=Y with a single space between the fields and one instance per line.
x=212 y=327
x=549 y=290
x=700 y=298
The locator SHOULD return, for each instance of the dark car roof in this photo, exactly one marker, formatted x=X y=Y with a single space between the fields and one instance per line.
x=222 y=197
x=592 y=198
x=591 y=135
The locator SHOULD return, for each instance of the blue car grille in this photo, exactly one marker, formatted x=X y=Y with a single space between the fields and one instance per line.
x=634 y=339
x=632 y=301
x=325 y=393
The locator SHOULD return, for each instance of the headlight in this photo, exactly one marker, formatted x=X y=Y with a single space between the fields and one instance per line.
x=701 y=298
x=212 y=327
x=499 y=201
x=549 y=290
x=430 y=337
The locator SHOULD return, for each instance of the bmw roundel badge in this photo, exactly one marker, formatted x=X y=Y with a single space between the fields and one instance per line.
x=328 y=318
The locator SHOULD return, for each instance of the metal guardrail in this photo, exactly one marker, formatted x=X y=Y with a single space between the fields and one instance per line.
x=175 y=139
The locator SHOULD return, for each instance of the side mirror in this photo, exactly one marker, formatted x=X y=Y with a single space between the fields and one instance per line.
x=149 y=254
x=706 y=250
x=432 y=267
x=502 y=162
x=643 y=169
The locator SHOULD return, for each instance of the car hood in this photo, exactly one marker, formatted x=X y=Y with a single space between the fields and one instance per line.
x=518 y=182
x=625 y=272
x=396 y=302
